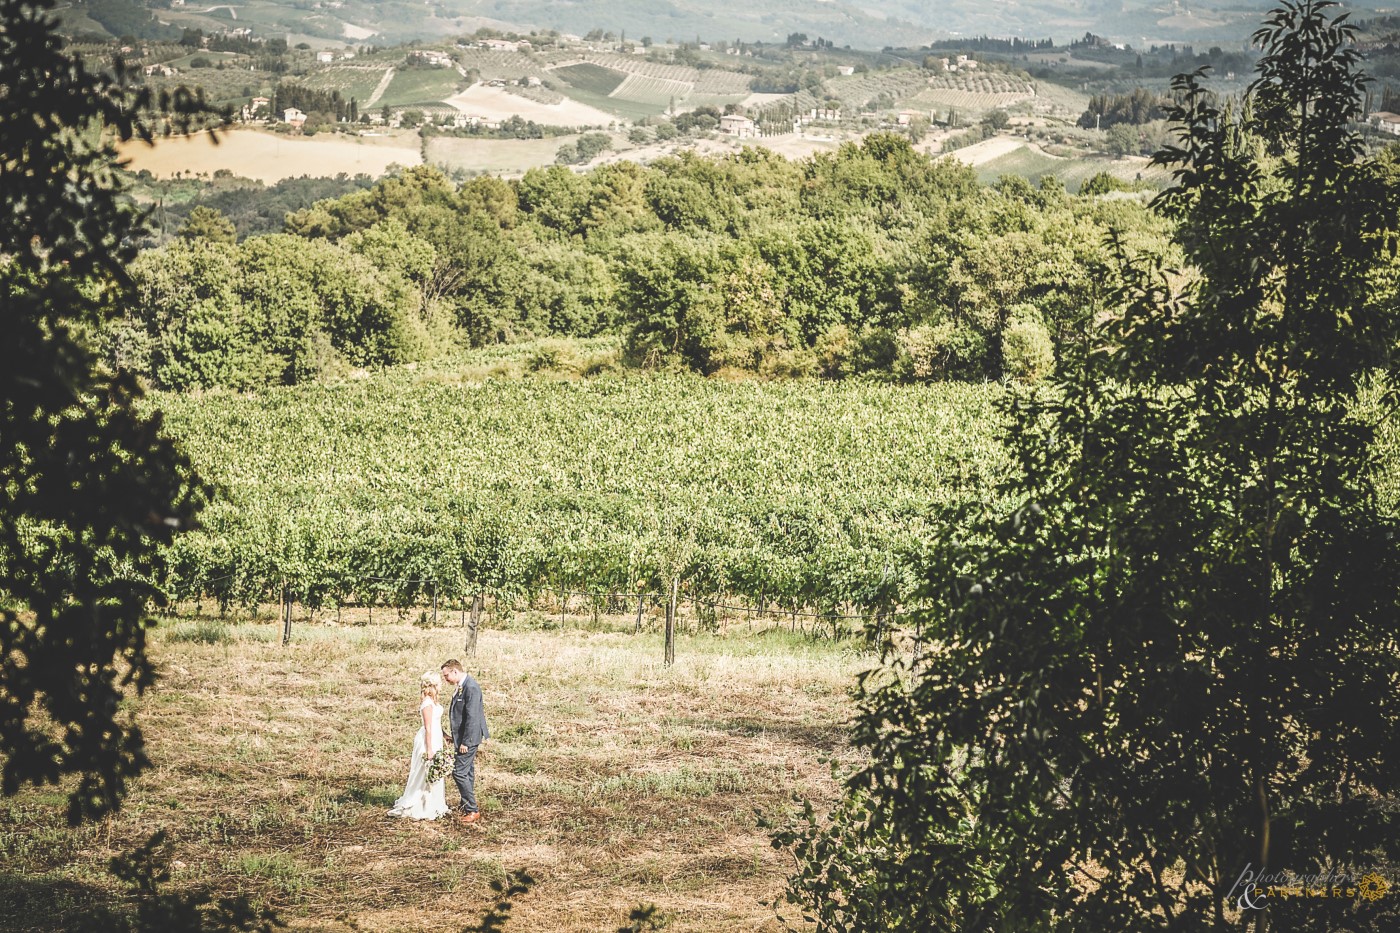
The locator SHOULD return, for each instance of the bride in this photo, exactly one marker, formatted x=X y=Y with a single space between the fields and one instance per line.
x=421 y=800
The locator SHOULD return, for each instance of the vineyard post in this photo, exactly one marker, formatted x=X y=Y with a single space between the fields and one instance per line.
x=640 y=599
x=671 y=623
x=286 y=614
x=434 y=604
x=563 y=604
x=475 y=625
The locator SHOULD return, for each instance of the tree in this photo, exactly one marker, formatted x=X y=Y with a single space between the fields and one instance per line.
x=1172 y=668
x=206 y=223
x=88 y=485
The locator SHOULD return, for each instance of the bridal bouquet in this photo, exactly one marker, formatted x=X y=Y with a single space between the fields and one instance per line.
x=440 y=766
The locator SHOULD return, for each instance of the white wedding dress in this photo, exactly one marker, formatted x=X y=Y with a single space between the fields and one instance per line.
x=421 y=800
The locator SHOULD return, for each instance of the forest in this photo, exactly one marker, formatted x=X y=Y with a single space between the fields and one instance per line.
x=874 y=260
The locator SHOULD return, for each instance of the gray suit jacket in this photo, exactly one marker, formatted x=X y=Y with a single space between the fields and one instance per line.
x=465 y=715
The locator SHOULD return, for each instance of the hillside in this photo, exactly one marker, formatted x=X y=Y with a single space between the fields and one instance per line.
x=898 y=23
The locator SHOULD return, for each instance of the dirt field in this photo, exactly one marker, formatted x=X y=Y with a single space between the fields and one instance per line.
x=615 y=781
x=270 y=157
x=495 y=103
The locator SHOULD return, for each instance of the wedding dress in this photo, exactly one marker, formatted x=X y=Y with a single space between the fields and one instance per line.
x=420 y=800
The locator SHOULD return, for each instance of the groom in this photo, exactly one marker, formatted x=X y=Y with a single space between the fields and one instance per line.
x=468 y=726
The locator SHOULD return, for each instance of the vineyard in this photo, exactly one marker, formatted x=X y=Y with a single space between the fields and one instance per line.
x=706 y=81
x=406 y=486
x=637 y=88
x=648 y=90
x=973 y=95
x=420 y=86
x=504 y=66
x=355 y=82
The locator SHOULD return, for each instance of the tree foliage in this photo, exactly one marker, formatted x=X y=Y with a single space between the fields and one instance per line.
x=88 y=486
x=1176 y=663
x=773 y=259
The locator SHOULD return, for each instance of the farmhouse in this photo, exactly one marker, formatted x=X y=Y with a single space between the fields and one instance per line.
x=1386 y=122
x=735 y=125
x=257 y=107
x=294 y=116
x=325 y=57
x=430 y=57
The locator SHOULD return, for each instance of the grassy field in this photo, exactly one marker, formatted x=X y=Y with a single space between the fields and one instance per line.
x=497 y=156
x=613 y=780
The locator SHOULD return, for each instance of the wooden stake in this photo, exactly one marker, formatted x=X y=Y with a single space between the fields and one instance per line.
x=671 y=624
x=475 y=625
x=286 y=615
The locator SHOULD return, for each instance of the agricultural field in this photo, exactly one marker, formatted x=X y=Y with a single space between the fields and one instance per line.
x=1058 y=102
x=593 y=79
x=270 y=157
x=413 y=86
x=658 y=92
x=1033 y=163
x=714 y=81
x=498 y=103
x=231 y=86
x=613 y=780
x=506 y=66
x=513 y=488
x=494 y=156
x=637 y=89
x=354 y=82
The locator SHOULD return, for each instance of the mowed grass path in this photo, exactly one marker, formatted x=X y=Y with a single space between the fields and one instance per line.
x=614 y=780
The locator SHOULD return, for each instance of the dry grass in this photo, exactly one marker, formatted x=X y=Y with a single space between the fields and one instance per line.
x=614 y=780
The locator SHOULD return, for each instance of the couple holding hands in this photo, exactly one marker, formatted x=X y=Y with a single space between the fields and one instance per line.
x=424 y=797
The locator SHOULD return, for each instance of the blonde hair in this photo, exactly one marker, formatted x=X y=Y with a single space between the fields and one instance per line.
x=428 y=684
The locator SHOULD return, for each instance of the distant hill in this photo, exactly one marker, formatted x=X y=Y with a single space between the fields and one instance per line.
x=860 y=24
x=874 y=25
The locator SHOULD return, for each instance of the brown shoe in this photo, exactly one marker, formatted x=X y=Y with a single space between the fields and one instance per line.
x=469 y=818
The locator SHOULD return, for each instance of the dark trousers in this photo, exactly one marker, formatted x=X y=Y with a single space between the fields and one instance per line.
x=464 y=775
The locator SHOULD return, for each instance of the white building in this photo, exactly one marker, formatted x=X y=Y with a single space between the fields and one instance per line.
x=1386 y=122
x=736 y=125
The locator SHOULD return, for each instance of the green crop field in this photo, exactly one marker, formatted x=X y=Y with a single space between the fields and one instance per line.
x=590 y=78
x=420 y=86
x=1034 y=165
x=799 y=493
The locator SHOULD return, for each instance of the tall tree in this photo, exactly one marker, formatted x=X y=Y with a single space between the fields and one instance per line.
x=88 y=486
x=1170 y=678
